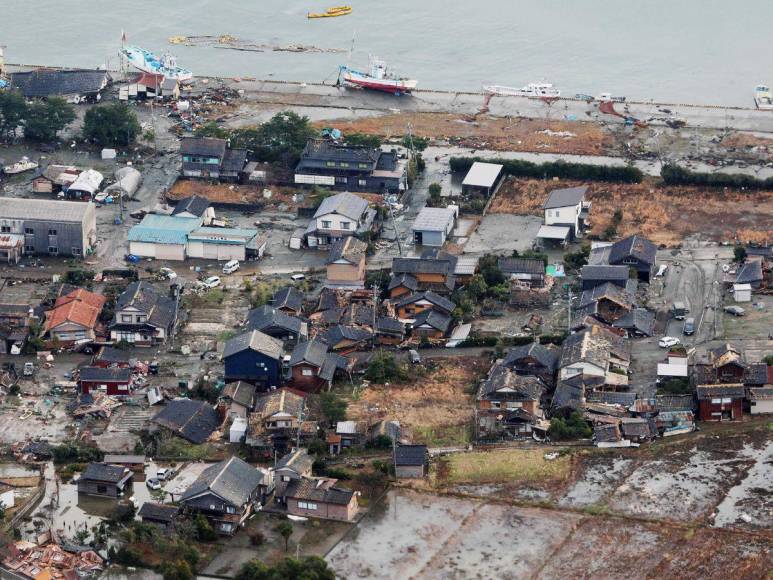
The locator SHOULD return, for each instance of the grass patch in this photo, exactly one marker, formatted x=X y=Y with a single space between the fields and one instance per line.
x=443 y=435
x=177 y=448
x=206 y=299
x=506 y=466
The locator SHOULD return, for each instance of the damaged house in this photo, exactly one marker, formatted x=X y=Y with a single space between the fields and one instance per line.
x=275 y=420
x=435 y=273
x=509 y=403
x=596 y=352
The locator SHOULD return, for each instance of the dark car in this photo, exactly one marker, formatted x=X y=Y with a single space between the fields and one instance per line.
x=735 y=310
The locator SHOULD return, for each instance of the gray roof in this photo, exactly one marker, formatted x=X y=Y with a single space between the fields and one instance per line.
x=346 y=204
x=194 y=205
x=288 y=297
x=47 y=82
x=436 y=299
x=104 y=472
x=232 y=479
x=594 y=345
x=161 y=309
x=203 y=146
x=254 y=340
x=421 y=266
x=386 y=325
x=607 y=290
x=434 y=219
x=309 y=489
x=482 y=174
x=639 y=319
x=44 y=209
x=750 y=272
x=565 y=197
x=298 y=460
x=312 y=352
x=761 y=393
x=611 y=398
x=411 y=455
x=341 y=332
x=546 y=356
x=282 y=400
x=192 y=420
x=674 y=402
x=240 y=392
x=407 y=280
x=521 y=266
x=265 y=317
x=349 y=248
x=431 y=317
x=108 y=375
x=604 y=272
x=704 y=392
x=111 y=354
x=636 y=246
x=527 y=388
x=158 y=511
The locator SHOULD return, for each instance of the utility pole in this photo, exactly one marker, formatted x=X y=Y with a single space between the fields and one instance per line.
x=394 y=225
x=568 y=308
x=298 y=429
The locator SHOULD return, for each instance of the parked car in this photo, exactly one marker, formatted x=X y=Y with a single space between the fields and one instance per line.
x=29 y=369
x=163 y=473
x=168 y=273
x=298 y=277
x=415 y=356
x=211 y=282
x=668 y=342
x=689 y=327
x=153 y=483
x=230 y=267
x=735 y=310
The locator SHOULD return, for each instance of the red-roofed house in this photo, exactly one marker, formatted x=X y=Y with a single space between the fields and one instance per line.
x=74 y=316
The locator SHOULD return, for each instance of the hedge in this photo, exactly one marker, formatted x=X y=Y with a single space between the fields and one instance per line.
x=675 y=175
x=561 y=169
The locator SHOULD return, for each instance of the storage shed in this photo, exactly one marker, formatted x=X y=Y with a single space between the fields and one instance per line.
x=162 y=237
x=127 y=181
x=742 y=292
x=86 y=186
x=482 y=179
x=433 y=225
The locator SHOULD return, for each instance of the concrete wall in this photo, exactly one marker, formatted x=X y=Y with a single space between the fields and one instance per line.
x=70 y=239
x=434 y=239
x=158 y=251
x=346 y=272
x=212 y=251
x=760 y=407
x=412 y=471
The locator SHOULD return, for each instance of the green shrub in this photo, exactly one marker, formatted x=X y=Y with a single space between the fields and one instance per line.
x=575 y=427
x=560 y=169
x=383 y=368
x=674 y=175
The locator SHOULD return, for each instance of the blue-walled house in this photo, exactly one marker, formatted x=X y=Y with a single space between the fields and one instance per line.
x=254 y=357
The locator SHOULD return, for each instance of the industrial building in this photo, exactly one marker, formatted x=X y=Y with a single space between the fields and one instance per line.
x=55 y=228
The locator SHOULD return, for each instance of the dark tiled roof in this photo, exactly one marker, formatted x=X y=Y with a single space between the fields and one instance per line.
x=194 y=205
x=750 y=272
x=47 y=83
x=161 y=309
x=437 y=320
x=639 y=319
x=436 y=299
x=108 y=375
x=232 y=479
x=309 y=489
x=256 y=341
x=208 y=146
x=113 y=355
x=104 y=472
x=299 y=461
x=279 y=401
x=521 y=266
x=674 y=402
x=636 y=246
x=635 y=427
x=389 y=326
x=234 y=160
x=411 y=455
x=606 y=432
x=761 y=394
x=611 y=398
x=324 y=150
x=607 y=290
x=526 y=387
x=565 y=197
x=420 y=266
x=546 y=356
x=192 y=420
x=265 y=317
x=349 y=248
x=756 y=374
x=288 y=297
x=158 y=511
x=340 y=333
x=705 y=392
x=406 y=280
x=604 y=272
x=312 y=352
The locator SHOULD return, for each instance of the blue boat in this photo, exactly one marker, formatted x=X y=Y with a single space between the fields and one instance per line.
x=148 y=62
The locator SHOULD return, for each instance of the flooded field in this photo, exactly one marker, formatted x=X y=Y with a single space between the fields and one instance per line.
x=428 y=536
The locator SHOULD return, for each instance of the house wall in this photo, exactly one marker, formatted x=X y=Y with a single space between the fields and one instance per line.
x=328 y=511
x=760 y=407
x=70 y=332
x=643 y=269
x=307 y=382
x=110 y=388
x=335 y=222
x=730 y=373
x=529 y=406
x=71 y=239
x=412 y=310
x=399 y=291
x=563 y=216
x=581 y=367
x=434 y=239
x=409 y=471
x=430 y=278
x=611 y=311
x=97 y=488
x=245 y=366
x=214 y=251
x=158 y=251
x=346 y=272
x=708 y=411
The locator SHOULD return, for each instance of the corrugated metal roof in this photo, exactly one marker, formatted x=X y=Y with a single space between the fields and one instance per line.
x=163 y=229
x=482 y=174
x=43 y=209
x=553 y=232
x=434 y=219
x=466 y=265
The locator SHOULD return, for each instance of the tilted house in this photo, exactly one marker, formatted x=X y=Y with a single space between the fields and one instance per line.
x=240 y=398
x=294 y=466
x=337 y=217
x=76 y=86
x=275 y=420
x=15 y=320
x=597 y=352
x=190 y=419
x=345 y=338
x=346 y=264
x=194 y=206
x=312 y=367
x=144 y=316
x=533 y=359
x=226 y=494
x=607 y=302
x=211 y=158
x=254 y=357
x=289 y=300
x=105 y=479
x=532 y=272
x=278 y=324
x=635 y=252
x=159 y=514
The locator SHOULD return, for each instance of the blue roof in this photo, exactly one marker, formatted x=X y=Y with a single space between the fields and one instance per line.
x=163 y=229
x=236 y=232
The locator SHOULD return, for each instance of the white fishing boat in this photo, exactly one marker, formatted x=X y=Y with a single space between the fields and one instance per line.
x=532 y=90
x=20 y=166
x=146 y=61
x=763 y=98
x=380 y=78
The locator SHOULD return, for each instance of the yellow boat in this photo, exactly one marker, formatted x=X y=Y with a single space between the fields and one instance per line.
x=331 y=12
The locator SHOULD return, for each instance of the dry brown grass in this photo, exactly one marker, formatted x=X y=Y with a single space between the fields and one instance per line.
x=484 y=131
x=665 y=215
x=506 y=466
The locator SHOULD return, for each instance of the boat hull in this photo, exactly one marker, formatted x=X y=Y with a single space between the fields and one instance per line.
x=145 y=61
x=392 y=86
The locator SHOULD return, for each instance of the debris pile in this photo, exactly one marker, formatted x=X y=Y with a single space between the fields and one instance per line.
x=52 y=560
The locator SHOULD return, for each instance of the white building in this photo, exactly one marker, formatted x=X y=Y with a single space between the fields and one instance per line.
x=742 y=292
x=224 y=243
x=565 y=214
x=336 y=217
x=482 y=178
x=433 y=225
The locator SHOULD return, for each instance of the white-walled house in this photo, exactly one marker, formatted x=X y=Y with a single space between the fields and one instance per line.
x=337 y=217
x=565 y=213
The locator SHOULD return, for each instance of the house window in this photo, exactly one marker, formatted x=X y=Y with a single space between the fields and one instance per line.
x=340 y=179
x=362 y=165
x=126 y=317
x=230 y=510
x=76 y=251
x=344 y=164
x=51 y=232
x=141 y=318
x=53 y=250
x=362 y=182
x=101 y=489
x=330 y=163
x=307 y=373
x=29 y=231
x=305 y=505
x=285 y=478
x=326 y=224
x=5 y=229
x=346 y=225
x=29 y=248
x=631 y=261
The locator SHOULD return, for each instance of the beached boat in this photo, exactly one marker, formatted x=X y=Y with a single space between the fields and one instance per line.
x=378 y=79
x=148 y=62
x=20 y=166
x=609 y=98
x=532 y=90
x=331 y=12
x=763 y=98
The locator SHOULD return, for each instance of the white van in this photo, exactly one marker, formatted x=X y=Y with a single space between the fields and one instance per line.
x=230 y=267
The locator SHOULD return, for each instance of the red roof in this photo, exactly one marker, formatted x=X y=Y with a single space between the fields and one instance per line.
x=79 y=307
x=770 y=375
x=150 y=80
